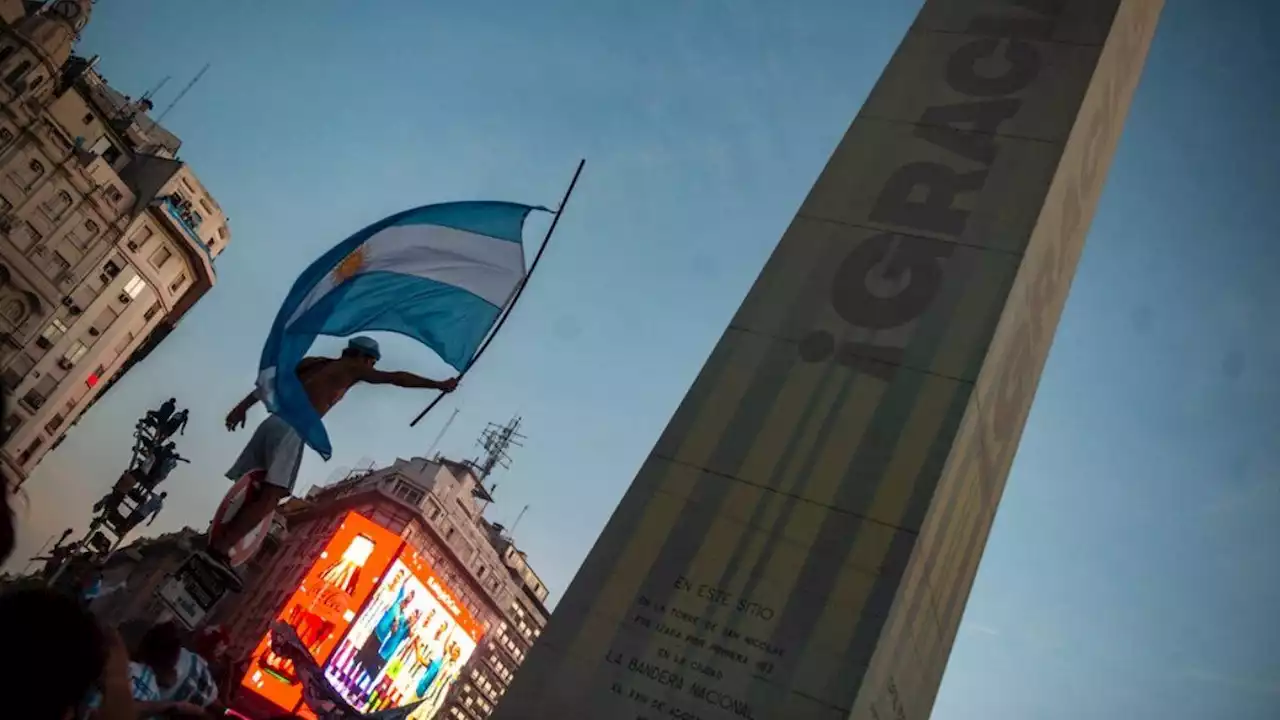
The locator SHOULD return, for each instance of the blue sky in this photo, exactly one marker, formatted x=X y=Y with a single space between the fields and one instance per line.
x=1132 y=570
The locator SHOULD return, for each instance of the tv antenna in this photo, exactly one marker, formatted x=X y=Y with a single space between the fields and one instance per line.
x=148 y=95
x=194 y=80
x=512 y=530
x=496 y=440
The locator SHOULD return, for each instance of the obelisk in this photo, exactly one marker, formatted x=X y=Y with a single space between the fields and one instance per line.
x=802 y=540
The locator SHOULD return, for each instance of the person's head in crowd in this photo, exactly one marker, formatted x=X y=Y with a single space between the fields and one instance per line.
x=159 y=649
x=59 y=652
x=58 y=656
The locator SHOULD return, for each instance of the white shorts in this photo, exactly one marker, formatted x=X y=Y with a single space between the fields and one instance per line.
x=275 y=447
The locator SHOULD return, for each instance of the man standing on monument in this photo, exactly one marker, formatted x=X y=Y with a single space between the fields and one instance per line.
x=276 y=447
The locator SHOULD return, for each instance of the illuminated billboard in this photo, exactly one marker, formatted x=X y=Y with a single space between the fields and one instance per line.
x=322 y=608
x=409 y=643
x=387 y=631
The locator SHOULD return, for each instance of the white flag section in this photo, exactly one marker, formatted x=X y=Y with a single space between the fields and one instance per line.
x=440 y=274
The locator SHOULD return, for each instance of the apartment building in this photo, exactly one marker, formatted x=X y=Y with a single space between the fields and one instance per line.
x=107 y=238
x=437 y=506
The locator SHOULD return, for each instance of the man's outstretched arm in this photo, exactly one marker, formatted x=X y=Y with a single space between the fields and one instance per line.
x=236 y=418
x=406 y=380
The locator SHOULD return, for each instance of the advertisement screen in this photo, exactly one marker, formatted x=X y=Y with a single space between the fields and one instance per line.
x=408 y=644
x=324 y=605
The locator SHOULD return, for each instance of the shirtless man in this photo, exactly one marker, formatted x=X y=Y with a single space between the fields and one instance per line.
x=277 y=448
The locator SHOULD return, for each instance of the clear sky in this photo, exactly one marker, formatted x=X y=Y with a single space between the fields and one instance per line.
x=1132 y=572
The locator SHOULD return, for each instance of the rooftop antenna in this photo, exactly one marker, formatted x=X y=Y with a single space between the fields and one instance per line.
x=194 y=80
x=436 y=443
x=511 y=531
x=495 y=440
x=151 y=93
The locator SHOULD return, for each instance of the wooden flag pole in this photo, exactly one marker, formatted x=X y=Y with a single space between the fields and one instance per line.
x=555 y=220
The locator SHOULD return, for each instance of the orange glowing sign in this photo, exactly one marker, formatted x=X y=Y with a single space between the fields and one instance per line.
x=322 y=608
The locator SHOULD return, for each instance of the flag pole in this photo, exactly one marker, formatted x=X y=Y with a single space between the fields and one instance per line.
x=555 y=220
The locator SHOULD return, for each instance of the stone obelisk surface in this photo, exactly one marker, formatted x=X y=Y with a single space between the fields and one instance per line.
x=802 y=540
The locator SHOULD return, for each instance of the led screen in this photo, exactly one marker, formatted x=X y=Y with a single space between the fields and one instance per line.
x=322 y=608
x=409 y=643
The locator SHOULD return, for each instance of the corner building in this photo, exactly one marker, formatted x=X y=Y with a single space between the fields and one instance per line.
x=107 y=238
x=437 y=507
x=801 y=542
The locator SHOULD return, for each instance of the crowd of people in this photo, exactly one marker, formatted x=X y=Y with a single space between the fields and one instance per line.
x=69 y=666
x=75 y=668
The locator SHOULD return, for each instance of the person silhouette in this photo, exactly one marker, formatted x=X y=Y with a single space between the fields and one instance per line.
x=158 y=417
x=165 y=460
x=175 y=424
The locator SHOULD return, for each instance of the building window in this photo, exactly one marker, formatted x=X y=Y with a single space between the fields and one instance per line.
x=37 y=169
x=6 y=135
x=33 y=399
x=178 y=283
x=112 y=194
x=17 y=73
x=6 y=52
x=222 y=232
x=54 y=423
x=91 y=227
x=134 y=287
x=111 y=155
x=25 y=457
x=72 y=239
x=140 y=238
x=151 y=311
x=58 y=265
x=54 y=330
x=160 y=257
x=56 y=205
x=28 y=235
x=75 y=352
x=205 y=206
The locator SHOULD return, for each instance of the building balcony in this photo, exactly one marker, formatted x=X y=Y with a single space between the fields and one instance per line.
x=185 y=219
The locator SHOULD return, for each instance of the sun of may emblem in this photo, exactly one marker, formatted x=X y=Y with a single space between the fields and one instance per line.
x=349 y=266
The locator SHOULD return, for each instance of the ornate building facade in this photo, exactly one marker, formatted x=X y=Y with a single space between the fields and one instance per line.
x=107 y=238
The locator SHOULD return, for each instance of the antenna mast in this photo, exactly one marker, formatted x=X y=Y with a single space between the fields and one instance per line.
x=194 y=80
x=152 y=92
x=436 y=443
x=496 y=440
x=511 y=531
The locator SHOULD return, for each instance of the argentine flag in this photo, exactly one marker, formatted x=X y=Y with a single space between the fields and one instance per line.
x=440 y=274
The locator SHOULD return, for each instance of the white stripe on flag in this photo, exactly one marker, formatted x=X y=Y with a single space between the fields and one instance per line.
x=486 y=267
